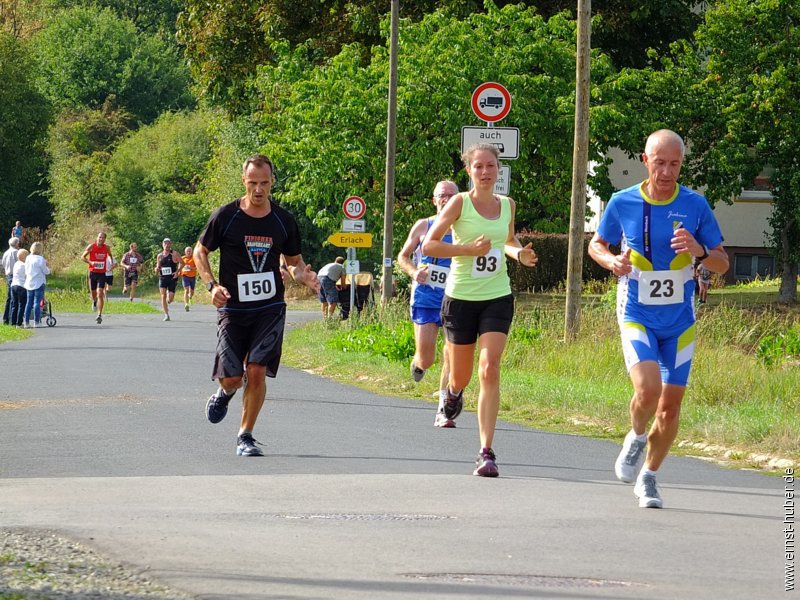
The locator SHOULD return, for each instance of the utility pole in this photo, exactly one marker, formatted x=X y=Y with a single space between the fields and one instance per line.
x=580 y=158
x=388 y=200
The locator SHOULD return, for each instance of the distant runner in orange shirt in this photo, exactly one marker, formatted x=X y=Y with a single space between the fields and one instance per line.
x=189 y=276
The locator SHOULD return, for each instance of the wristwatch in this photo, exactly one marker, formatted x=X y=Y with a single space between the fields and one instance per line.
x=210 y=285
x=704 y=255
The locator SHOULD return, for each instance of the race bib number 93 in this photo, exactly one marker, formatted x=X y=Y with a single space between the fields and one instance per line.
x=488 y=264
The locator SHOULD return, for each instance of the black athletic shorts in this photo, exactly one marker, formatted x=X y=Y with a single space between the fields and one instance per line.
x=97 y=280
x=169 y=283
x=465 y=320
x=256 y=336
x=131 y=277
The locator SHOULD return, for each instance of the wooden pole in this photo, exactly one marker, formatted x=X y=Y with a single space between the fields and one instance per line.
x=388 y=201
x=580 y=158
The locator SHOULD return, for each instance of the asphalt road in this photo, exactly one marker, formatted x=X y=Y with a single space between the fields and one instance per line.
x=103 y=437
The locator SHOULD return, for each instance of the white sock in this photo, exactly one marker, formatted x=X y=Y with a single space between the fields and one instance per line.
x=442 y=398
x=639 y=438
x=644 y=472
x=243 y=430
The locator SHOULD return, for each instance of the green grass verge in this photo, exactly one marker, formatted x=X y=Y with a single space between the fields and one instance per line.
x=735 y=405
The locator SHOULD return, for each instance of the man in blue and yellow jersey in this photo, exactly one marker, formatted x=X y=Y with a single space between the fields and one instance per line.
x=660 y=227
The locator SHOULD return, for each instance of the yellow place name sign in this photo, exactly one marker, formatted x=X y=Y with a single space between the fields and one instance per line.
x=355 y=240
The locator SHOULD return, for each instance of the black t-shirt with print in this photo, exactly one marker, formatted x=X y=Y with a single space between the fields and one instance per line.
x=250 y=249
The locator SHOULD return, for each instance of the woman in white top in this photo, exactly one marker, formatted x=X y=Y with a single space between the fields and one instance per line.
x=35 y=270
x=19 y=295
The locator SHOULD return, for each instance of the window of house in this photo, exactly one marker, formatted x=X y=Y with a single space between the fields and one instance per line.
x=747 y=266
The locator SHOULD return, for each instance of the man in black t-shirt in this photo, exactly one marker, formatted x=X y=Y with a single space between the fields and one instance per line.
x=252 y=234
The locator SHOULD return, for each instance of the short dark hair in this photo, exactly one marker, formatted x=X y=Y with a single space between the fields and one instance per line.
x=259 y=160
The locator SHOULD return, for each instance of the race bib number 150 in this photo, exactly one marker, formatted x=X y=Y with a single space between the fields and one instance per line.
x=256 y=286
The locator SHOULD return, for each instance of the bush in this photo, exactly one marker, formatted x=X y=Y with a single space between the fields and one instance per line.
x=551 y=270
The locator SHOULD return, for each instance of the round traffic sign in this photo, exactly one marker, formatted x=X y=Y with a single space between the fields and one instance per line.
x=491 y=102
x=354 y=207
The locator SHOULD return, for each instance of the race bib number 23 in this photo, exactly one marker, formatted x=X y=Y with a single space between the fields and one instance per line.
x=660 y=287
x=256 y=286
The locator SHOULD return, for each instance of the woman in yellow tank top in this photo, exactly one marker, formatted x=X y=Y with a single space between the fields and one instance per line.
x=478 y=306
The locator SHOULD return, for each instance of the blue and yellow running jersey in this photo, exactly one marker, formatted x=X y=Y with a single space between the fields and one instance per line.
x=646 y=226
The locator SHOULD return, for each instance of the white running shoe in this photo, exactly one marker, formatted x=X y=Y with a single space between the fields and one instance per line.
x=629 y=457
x=646 y=491
x=166 y=317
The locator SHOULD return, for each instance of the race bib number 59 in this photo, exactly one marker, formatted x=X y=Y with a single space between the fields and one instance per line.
x=437 y=276
x=660 y=287
x=256 y=286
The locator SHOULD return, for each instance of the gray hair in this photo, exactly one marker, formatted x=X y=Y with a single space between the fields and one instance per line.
x=663 y=135
x=36 y=248
x=13 y=242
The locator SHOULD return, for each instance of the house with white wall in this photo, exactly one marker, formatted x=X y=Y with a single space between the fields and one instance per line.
x=744 y=223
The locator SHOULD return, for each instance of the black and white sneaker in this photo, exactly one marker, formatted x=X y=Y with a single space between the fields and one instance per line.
x=217 y=406
x=646 y=491
x=453 y=405
x=416 y=373
x=247 y=446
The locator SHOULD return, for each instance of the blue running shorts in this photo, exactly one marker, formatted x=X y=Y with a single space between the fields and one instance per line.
x=672 y=349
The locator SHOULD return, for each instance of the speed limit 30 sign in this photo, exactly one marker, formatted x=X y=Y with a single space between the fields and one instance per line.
x=354 y=207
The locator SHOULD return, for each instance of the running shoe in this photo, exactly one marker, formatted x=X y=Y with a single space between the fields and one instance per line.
x=247 y=446
x=186 y=307
x=646 y=491
x=486 y=464
x=124 y=291
x=94 y=305
x=416 y=373
x=217 y=406
x=453 y=405
x=442 y=421
x=629 y=457
x=166 y=317
x=99 y=319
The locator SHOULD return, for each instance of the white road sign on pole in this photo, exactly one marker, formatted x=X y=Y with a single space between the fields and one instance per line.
x=506 y=139
x=503 y=183
x=354 y=207
x=354 y=225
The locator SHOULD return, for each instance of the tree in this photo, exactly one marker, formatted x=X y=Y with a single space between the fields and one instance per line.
x=325 y=126
x=152 y=180
x=25 y=115
x=79 y=146
x=227 y=41
x=86 y=55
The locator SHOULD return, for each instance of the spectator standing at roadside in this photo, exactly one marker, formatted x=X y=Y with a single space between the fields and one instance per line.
x=428 y=279
x=660 y=226
x=167 y=269
x=478 y=305
x=703 y=282
x=19 y=295
x=331 y=278
x=9 y=260
x=18 y=231
x=131 y=266
x=36 y=270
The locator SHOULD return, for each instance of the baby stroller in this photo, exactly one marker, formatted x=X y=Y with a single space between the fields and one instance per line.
x=47 y=311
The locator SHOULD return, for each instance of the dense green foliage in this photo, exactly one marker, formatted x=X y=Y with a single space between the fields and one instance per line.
x=86 y=55
x=24 y=117
x=325 y=126
x=152 y=181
